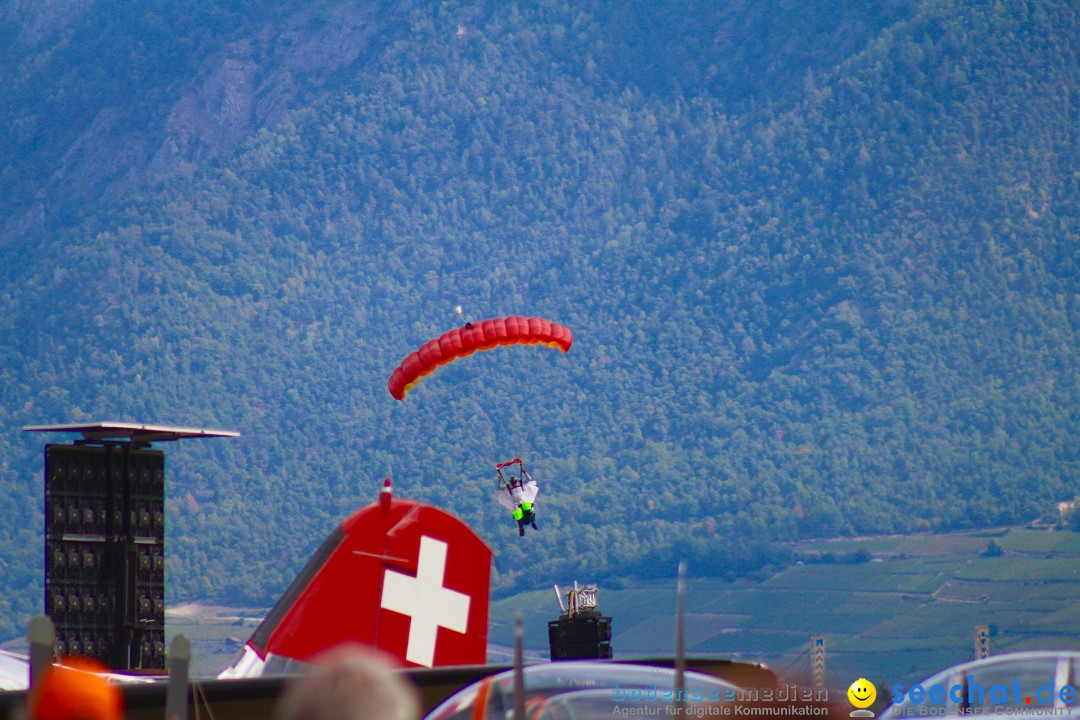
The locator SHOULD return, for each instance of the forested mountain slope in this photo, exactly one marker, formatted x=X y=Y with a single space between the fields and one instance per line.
x=821 y=271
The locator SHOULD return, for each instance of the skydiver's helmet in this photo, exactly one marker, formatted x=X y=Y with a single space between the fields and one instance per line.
x=514 y=482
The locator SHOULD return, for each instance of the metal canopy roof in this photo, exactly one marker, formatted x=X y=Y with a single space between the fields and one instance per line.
x=135 y=432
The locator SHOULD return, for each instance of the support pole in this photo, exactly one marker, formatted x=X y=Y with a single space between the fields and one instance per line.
x=817 y=662
x=680 y=641
x=519 y=666
x=42 y=637
x=982 y=642
x=176 y=694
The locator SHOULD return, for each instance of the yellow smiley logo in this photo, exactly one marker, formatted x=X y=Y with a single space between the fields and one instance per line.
x=862 y=693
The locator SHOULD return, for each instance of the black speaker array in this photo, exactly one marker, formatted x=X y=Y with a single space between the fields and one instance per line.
x=582 y=636
x=105 y=553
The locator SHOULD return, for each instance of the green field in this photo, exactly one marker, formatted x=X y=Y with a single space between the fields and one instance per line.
x=217 y=634
x=1035 y=541
x=899 y=618
x=1023 y=569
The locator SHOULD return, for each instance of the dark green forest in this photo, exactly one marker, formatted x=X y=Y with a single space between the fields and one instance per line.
x=820 y=261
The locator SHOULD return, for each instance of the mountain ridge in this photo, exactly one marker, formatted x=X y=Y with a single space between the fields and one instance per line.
x=840 y=303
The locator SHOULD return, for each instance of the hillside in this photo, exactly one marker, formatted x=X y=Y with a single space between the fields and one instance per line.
x=832 y=292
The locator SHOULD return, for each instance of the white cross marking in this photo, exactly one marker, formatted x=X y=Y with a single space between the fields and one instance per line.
x=426 y=601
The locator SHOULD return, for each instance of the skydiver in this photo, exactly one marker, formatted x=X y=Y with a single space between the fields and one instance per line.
x=519 y=496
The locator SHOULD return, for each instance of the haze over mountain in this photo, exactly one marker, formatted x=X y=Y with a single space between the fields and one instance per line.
x=820 y=263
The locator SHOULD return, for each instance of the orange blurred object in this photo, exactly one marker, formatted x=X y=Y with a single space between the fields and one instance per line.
x=76 y=690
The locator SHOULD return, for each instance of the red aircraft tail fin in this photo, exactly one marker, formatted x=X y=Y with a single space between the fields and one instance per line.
x=403 y=576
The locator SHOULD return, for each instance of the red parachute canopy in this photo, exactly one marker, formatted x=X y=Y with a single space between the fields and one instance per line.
x=463 y=341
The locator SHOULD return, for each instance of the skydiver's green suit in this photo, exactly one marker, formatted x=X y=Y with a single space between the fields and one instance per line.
x=519 y=498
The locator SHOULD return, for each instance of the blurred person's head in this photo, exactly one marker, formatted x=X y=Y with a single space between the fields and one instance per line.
x=350 y=682
x=76 y=690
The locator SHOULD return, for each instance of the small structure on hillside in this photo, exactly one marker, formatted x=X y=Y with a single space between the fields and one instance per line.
x=581 y=632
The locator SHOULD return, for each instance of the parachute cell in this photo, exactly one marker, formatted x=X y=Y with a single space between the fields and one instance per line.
x=464 y=341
